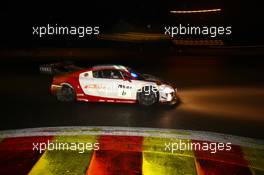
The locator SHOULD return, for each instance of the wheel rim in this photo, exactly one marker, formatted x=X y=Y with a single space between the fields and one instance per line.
x=147 y=98
x=66 y=94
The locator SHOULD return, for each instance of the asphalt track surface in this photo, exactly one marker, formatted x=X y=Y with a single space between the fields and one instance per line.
x=218 y=93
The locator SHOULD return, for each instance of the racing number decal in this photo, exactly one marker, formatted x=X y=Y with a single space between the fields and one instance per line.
x=124 y=91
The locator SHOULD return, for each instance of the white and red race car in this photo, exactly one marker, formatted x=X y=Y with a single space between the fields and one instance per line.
x=109 y=83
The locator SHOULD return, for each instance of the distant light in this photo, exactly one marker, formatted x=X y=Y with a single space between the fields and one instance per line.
x=195 y=11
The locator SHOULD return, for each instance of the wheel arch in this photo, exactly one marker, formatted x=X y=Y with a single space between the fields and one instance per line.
x=141 y=89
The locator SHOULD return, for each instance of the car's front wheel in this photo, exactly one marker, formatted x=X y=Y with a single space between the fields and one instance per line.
x=66 y=93
x=147 y=96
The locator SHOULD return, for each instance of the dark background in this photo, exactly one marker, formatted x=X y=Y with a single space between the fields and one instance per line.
x=18 y=18
x=221 y=87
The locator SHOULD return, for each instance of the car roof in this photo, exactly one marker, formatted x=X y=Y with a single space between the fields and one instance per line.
x=111 y=66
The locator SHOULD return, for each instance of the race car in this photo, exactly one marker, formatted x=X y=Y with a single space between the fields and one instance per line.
x=108 y=83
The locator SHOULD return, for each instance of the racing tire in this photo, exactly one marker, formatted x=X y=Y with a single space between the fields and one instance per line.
x=147 y=96
x=66 y=94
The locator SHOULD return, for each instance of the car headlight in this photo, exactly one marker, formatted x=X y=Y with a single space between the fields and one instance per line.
x=167 y=92
x=169 y=97
x=166 y=89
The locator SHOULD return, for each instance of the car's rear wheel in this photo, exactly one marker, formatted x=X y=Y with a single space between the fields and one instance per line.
x=66 y=93
x=147 y=96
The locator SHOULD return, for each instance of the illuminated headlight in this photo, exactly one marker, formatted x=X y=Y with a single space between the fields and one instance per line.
x=169 y=97
x=168 y=92
x=166 y=89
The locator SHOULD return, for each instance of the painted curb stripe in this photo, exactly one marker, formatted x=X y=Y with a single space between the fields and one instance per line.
x=117 y=155
x=234 y=156
x=17 y=155
x=56 y=162
x=255 y=157
x=132 y=151
x=219 y=168
x=136 y=131
x=221 y=162
x=158 y=160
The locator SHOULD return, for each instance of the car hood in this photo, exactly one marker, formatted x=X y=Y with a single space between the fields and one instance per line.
x=157 y=80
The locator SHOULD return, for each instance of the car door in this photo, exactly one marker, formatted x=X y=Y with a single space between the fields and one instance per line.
x=126 y=87
x=108 y=83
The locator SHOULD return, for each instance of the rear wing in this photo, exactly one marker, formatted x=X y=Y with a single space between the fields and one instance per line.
x=58 y=68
